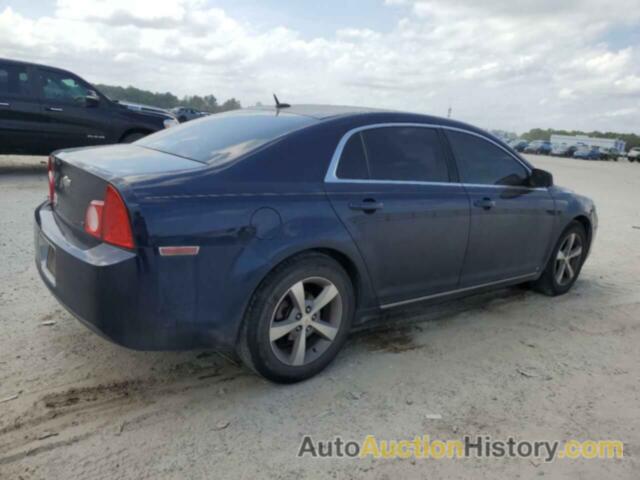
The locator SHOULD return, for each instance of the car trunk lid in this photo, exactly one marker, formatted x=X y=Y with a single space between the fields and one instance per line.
x=82 y=175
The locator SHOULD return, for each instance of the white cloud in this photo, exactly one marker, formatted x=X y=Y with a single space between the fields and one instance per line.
x=507 y=64
x=629 y=85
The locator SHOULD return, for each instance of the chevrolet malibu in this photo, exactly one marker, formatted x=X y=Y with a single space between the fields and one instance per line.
x=274 y=232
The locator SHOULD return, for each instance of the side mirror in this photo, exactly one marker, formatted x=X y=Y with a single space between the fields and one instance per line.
x=92 y=99
x=540 y=179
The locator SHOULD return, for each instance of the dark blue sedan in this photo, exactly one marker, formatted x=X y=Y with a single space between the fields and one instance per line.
x=584 y=152
x=273 y=232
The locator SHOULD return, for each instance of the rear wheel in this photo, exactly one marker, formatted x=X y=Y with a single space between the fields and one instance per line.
x=132 y=137
x=565 y=263
x=298 y=319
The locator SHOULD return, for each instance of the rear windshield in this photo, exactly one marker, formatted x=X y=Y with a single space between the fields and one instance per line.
x=221 y=138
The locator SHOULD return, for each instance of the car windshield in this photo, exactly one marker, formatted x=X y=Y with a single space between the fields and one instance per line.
x=221 y=138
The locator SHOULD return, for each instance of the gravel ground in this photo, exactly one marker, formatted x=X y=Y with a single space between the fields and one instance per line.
x=513 y=363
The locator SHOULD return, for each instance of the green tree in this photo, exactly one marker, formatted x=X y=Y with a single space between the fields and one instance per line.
x=206 y=103
x=231 y=104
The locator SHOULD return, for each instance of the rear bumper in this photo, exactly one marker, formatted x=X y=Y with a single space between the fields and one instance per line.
x=114 y=292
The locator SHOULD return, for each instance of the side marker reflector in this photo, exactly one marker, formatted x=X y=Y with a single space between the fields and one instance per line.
x=178 y=251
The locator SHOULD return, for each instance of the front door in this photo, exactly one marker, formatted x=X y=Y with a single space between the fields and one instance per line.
x=392 y=188
x=511 y=223
x=71 y=121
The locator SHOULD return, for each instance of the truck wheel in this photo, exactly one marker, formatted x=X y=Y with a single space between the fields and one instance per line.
x=132 y=137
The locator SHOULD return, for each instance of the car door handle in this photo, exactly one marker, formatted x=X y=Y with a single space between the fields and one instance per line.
x=485 y=203
x=54 y=109
x=4 y=105
x=367 y=206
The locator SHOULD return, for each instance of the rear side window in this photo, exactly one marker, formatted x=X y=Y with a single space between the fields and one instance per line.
x=14 y=81
x=353 y=163
x=481 y=162
x=221 y=138
x=405 y=154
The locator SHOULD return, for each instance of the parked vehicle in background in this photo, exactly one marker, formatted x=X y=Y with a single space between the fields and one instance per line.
x=519 y=144
x=43 y=109
x=184 y=114
x=585 y=152
x=540 y=147
x=216 y=234
x=563 y=150
x=609 y=154
x=634 y=154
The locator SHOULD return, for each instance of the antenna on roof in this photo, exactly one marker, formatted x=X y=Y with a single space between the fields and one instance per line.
x=278 y=104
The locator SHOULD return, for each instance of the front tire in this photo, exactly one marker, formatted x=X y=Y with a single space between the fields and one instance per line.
x=298 y=319
x=565 y=263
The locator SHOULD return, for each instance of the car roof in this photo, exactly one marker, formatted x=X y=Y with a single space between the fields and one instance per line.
x=33 y=64
x=325 y=113
x=321 y=112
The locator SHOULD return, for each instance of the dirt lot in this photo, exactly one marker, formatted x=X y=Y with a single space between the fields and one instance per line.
x=73 y=406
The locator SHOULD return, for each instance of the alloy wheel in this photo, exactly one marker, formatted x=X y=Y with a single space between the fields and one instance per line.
x=305 y=321
x=568 y=259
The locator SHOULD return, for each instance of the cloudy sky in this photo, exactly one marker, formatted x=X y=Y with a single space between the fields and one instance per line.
x=511 y=64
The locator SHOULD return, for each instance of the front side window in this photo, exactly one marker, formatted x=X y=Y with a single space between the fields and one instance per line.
x=62 y=87
x=481 y=162
x=14 y=81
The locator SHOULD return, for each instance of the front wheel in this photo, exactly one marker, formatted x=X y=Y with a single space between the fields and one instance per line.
x=298 y=319
x=565 y=263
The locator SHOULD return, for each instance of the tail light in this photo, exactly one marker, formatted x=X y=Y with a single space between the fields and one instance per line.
x=108 y=220
x=52 y=180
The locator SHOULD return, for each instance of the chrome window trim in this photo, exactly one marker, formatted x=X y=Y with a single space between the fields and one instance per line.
x=332 y=176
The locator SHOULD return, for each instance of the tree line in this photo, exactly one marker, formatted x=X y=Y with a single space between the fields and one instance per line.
x=631 y=139
x=206 y=103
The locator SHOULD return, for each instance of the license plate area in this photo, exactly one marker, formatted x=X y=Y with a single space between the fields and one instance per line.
x=47 y=258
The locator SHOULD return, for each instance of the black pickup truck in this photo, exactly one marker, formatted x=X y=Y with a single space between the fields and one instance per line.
x=43 y=109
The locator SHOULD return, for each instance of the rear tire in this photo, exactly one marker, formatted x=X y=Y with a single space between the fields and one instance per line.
x=283 y=343
x=564 y=265
x=132 y=137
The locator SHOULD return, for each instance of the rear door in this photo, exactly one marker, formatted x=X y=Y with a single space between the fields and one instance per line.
x=511 y=223
x=21 y=119
x=71 y=121
x=393 y=189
